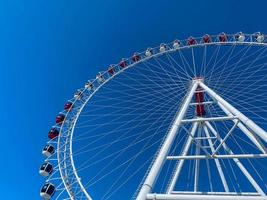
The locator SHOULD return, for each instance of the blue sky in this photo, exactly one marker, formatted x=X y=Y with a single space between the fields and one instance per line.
x=48 y=49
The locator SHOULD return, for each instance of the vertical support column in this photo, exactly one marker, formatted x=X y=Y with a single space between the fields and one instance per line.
x=181 y=162
x=249 y=123
x=157 y=165
x=197 y=163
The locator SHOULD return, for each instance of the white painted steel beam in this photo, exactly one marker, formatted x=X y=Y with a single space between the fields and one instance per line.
x=248 y=122
x=225 y=138
x=218 y=193
x=201 y=103
x=181 y=162
x=197 y=166
x=158 y=163
x=205 y=138
x=203 y=119
x=202 y=197
x=217 y=156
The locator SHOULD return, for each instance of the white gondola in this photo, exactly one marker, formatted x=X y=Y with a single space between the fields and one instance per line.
x=240 y=37
x=176 y=44
x=100 y=79
x=162 y=47
x=78 y=95
x=48 y=150
x=47 y=191
x=89 y=85
x=148 y=52
x=259 y=37
x=46 y=169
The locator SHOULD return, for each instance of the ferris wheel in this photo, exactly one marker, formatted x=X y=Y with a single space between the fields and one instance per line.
x=186 y=120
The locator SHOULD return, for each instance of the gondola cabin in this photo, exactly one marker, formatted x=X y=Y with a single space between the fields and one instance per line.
x=206 y=39
x=89 y=85
x=176 y=44
x=60 y=118
x=111 y=70
x=53 y=133
x=78 y=95
x=48 y=150
x=100 y=78
x=149 y=52
x=240 y=37
x=123 y=63
x=136 y=57
x=46 y=169
x=222 y=37
x=163 y=47
x=259 y=37
x=191 y=41
x=68 y=106
x=47 y=191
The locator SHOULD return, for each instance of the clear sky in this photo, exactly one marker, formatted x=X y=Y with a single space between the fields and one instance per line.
x=48 y=49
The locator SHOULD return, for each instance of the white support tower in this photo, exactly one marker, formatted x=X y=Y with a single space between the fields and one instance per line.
x=202 y=129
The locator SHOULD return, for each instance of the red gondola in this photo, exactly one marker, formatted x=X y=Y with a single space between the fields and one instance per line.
x=68 y=106
x=191 y=41
x=199 y=97
x=60 y=118
x=222 y=37
x=111 y=70
x=206 y=38
x=136 y=57
x=53 y=133
x=122 y=63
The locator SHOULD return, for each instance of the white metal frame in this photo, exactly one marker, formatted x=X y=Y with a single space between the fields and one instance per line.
x=232 y=114
x=64 y=143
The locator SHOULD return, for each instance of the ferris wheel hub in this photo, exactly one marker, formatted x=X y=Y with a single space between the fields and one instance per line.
x=198 y=79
